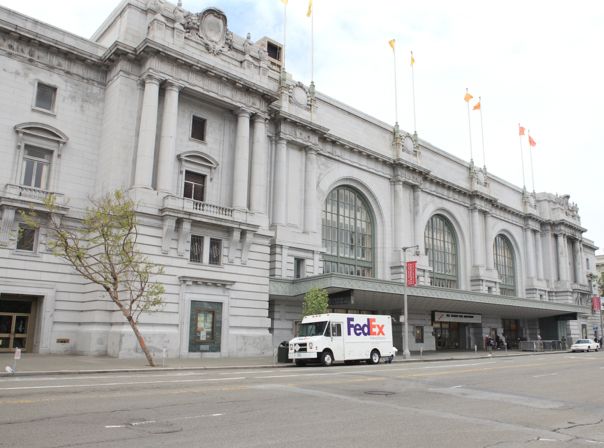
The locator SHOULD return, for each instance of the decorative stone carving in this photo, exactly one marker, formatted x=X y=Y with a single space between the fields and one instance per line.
x=210 y=28
x=299 y=95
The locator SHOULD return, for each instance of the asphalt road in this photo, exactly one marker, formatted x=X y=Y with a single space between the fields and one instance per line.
x=547 y=400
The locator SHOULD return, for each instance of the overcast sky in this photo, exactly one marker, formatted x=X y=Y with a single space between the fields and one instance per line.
x=538 y=62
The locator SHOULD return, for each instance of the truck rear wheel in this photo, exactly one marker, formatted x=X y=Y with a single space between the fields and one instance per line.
x=374 y=357
x=327 y=358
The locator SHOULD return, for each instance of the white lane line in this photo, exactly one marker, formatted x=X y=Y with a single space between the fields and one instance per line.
x=148 y=422
x=545 y=374
x=298 y=375
x=133 y=383
x=104 y=377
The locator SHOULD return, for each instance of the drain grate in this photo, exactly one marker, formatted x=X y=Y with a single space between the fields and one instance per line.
x=379 y=392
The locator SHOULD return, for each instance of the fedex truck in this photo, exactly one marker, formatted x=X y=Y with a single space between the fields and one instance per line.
x=326 y=338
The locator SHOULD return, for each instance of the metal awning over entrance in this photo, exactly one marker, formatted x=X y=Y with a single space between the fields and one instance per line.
x=387 y=297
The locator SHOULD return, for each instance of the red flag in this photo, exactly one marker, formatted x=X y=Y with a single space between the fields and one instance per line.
x=531 y=141
x=520 y=130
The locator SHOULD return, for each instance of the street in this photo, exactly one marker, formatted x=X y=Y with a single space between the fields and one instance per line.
x=541 y=400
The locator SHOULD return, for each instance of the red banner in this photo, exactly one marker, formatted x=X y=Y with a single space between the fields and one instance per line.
x=596 y=305
x=411 y=273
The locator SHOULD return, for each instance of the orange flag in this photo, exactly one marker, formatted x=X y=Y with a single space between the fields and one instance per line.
x=476 y=106
x=467 y=97
x=520 y=130
x=531 y=141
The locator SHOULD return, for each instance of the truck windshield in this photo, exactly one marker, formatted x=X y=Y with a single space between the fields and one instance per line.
x=312 y=329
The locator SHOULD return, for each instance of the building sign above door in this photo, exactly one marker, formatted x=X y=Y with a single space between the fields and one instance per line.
x=443 y=316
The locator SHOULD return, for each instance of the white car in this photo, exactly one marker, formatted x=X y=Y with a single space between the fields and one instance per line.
x=584 y=345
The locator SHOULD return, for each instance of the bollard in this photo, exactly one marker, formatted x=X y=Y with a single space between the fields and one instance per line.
x=421 y=352
x=163 y=357
x=475 y=349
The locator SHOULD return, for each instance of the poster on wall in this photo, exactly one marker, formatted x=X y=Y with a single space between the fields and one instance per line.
x=596 y=305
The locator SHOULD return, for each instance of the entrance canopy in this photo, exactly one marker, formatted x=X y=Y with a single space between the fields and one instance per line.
x=386 y=296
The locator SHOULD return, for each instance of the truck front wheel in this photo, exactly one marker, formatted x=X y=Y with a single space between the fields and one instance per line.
x=374 y=358
x=326 y=358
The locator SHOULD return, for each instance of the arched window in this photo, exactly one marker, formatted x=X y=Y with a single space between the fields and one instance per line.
x=441 y=248
x=347 y=233
x=504 y=262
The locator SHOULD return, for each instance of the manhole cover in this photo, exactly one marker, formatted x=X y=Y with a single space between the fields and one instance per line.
x=379 y=392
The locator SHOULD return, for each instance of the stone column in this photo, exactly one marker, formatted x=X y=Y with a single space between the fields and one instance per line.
x=577 y=261
x=399 y=237
x=280 y=184
x=242 y=158
x=562 y=260
x=167 y=142
x=530 y=252
x=489 y=241
x=259 y=165
x=539 y=244
x=310 y=190
x=550 y=254
x=476 y=240
x=418 y=228
x=146 y=134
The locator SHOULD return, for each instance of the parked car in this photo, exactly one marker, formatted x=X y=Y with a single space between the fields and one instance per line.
x=584 y=345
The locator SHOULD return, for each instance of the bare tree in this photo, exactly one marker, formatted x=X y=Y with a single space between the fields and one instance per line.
x=103 y=249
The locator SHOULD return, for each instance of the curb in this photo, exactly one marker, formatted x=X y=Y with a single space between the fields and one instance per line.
x=253 y=366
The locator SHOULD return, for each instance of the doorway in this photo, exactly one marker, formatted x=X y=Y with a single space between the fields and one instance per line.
x=17 y=322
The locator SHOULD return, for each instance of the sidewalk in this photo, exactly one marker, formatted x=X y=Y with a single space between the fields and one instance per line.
x=35 y=364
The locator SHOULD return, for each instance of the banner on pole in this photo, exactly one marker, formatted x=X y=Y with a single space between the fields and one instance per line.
x=411 y=273
x=596 y=305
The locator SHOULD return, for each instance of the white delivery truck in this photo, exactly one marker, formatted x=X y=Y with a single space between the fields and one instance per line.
x=333 y=337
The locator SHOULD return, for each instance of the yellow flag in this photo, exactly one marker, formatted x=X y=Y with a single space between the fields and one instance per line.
x=284 y=2
x=309 y=11
x=412 y=59
x=467 y=97
x=391 y=42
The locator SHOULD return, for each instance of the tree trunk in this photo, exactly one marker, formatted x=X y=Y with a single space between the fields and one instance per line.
x=141 y=341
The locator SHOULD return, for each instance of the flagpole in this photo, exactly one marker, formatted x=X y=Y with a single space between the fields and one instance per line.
x=521 y=157
x=531 y=158
x=469 y=128
x=310 y=13
x=284 y=30
x=484 y=160
x=393 y=44
x=413 y=91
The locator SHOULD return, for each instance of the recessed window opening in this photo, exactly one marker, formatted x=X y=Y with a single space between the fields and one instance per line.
x=45 y=97
x=198 y=128
x=195 y=185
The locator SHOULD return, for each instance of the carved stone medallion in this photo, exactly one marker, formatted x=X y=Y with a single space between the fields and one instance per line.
x=213 y=31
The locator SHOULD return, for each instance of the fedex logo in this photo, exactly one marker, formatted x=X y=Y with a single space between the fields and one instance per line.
x=371 y=328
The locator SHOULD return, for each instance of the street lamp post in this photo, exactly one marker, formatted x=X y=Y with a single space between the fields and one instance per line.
x=406 y=352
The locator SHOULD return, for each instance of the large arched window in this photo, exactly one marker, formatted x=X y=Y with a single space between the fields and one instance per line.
x=504 y=262
x=441 y=248
x=347 y=233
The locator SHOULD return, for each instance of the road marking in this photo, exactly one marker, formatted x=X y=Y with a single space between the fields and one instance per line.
x=66 y=386
x=96 y=377
x=545 y=374
x=148 y=422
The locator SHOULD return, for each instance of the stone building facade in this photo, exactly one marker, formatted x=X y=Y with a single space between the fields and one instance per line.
x=252 y=188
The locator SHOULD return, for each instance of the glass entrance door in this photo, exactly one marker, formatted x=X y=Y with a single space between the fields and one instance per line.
x=13 y=331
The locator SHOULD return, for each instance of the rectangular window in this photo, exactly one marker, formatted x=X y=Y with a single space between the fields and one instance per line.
x=36 y=166
x=215 y=251
x=45 y=97
x=419 y=334
x=195 y=185
x=198 y=128
x=26 y=239
x=196 y=253
x=274 y=51
x=299 y=267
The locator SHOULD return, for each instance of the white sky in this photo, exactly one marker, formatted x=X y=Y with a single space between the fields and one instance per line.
x=538 y=62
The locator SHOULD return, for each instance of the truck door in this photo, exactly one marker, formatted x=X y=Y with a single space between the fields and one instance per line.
x=337 y=341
